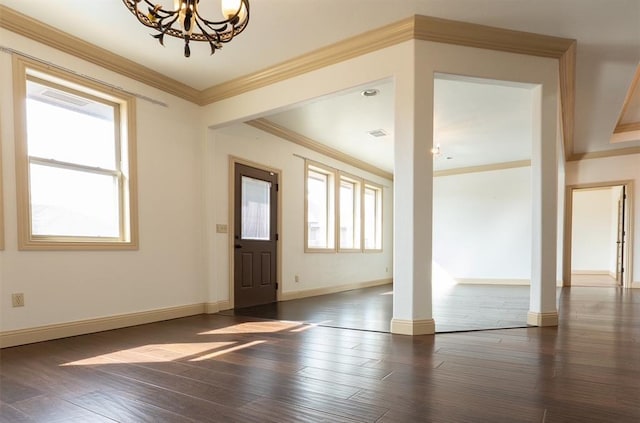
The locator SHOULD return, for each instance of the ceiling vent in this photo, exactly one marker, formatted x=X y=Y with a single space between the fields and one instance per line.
x=378 y=133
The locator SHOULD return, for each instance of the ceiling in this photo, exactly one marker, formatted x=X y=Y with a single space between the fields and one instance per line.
x=471 y=116
x=608 y=35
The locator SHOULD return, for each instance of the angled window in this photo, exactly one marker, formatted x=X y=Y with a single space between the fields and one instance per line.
x=319 y=208
x=372 y=225
x=75 y=156
x=349 y=215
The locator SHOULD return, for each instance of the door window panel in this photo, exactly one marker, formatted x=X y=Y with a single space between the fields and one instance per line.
x=256 y=206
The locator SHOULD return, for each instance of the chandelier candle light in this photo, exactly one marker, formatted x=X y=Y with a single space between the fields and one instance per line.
x=185 y=13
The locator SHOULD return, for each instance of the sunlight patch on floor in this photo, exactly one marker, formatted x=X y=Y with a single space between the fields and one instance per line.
x=254 y=327
x=308 y=326
x=227 y=350
x=152 y=353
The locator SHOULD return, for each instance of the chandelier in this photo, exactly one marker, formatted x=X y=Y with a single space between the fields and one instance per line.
x=185 y=21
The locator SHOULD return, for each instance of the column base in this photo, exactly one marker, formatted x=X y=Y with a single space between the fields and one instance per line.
x=542 y=319
x=413 y=327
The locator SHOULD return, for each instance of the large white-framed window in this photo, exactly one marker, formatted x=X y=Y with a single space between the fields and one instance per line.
x=319 y=208
x=75 y=158
x=372 y=217
x=343 y=212
x=349 y=212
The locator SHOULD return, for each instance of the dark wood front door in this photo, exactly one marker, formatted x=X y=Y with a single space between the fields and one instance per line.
x=255 y=236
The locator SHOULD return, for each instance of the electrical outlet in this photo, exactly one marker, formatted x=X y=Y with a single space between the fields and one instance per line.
x=17 y=300
x=297 y=278
x=221 y=228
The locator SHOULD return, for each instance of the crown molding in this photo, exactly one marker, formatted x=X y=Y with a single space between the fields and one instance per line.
x=42 y=33
x=567 y=74
x=482 y=168
x=627 y=127
x=416 y=27
x=606 y=153
x=358 y=45
x=296 y=138
x=635 y=86
x=447 y=31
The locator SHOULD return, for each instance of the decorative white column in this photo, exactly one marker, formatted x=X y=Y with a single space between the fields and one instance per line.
x=413 y=201
x=544 y=175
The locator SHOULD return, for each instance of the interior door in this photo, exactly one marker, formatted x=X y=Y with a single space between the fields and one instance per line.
x=255 y=236
x=620 y=238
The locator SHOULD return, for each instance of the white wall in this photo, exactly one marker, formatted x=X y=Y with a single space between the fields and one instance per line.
x=613 y=169
x=167 y=271
x=591 y=241
x=482 y=224
x=315 y=270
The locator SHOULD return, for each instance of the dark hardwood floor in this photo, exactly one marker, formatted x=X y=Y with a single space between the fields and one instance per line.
x=217 y=368
x=457 y=308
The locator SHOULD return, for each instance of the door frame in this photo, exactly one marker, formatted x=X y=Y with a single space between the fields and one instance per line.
x=231 y=226
x=568 y=229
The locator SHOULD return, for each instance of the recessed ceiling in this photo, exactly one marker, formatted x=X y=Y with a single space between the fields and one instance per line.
x=477 y=122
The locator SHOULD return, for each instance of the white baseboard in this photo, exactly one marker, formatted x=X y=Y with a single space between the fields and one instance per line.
x=12 y=338
x=212 y=308
x=413 y=327
x=470 y=281
x=635 y=284
x=590 y=272
x=535 y=318
x=518 y=282
x=294 y=295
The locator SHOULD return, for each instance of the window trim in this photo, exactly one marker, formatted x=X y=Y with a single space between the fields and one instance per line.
x=331 y=206
x=380 y=189
x=25 y=69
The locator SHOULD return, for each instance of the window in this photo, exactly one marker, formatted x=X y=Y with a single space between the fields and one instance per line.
x=320 y=209
x=74 y=152
x=372 y=217
x=256 y=208
x=349 y=215
x=342 y=212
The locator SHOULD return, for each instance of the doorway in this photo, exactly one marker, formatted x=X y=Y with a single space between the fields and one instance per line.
x=255 y=235
x=598 y=237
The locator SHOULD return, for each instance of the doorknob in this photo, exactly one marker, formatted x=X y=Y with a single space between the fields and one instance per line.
x=238 y=246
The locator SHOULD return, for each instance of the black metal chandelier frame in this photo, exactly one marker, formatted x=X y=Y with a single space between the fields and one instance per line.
x=216 y=33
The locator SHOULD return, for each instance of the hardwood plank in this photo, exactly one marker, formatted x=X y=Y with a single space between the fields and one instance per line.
x=125 y=410
x=9 y=414
x=54 y=410
x=13 y=391
x=246 y=369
